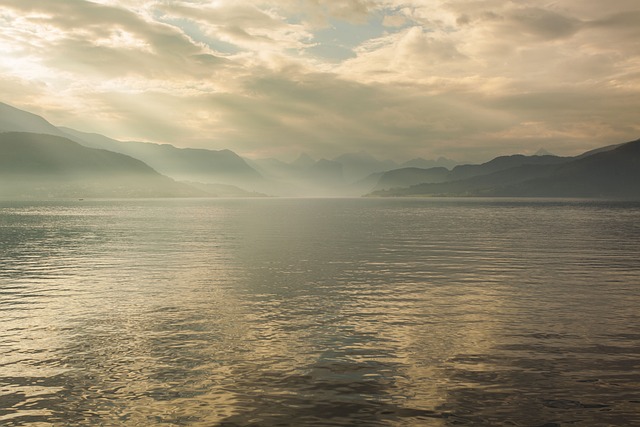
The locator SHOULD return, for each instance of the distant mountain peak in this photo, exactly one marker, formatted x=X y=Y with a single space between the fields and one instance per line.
x=13 y=119
x=543 y=152
x=44 y=165
x=422 y=163
x=303 y=161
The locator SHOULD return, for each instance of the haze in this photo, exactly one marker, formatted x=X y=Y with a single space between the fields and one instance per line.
x=463 y=79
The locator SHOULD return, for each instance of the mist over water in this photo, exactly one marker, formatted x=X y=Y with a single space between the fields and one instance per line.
x=378 y=312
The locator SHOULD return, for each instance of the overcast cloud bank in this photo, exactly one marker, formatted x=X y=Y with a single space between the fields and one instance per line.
x=464 y=79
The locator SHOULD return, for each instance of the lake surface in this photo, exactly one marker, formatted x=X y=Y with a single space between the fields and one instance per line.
x=320 y=312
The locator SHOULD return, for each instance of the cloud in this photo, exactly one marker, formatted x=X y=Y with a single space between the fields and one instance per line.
x=241 y=24
x=470 y=78
x=320 y=12
x=532 y=24
x=411 y=55
x=87 y=37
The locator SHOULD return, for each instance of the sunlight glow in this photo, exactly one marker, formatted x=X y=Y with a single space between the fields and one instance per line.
x=125 y=40
x=448 y=62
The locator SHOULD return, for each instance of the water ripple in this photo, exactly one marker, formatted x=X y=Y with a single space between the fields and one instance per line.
x=319 y=313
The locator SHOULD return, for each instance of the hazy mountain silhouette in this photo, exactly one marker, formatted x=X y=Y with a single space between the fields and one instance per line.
x=208 y=166
x=356 y=166
x=421 y=163
x=328 y=171
x=303 y=161
x=15 y=120
x=365 y=185
x=406 y=177
x=348 y=174
x=302 y=177
x=33 y=165
x=345 y=175
x=482 y=185
x=599 y=150
x=612 y=173
x=543 y=152
x=605 y=174
x=502 y=163
x=184 y=164
x=274 y=168
x=597 y=173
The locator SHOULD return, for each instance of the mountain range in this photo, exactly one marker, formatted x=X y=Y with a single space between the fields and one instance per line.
x=38 y=158
x=610 y=172
x=304 y=176
x=40 y=165
x=184 y=164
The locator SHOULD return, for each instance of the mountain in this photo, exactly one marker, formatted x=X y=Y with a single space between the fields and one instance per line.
x=184 y=164
x=37 y=165
x=605 y=174
x=406 y=177
x=356 y=166
x=502 y=163
x=421 y=163
x=482 y=185
x=15 y=120
x=277 y=169
x=347 y=175
x=303 y=177
x=448 y=180
x=365 y=185
x=208 y=166
x=326 y=171
x=351 y=174
x=303 y=161
x=613 y=173
x=599 y=150
x=543 y=152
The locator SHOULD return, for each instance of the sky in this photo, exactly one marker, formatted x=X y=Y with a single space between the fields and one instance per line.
x=464 y=79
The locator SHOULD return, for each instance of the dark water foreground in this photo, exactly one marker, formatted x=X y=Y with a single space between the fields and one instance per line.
x=320 y=313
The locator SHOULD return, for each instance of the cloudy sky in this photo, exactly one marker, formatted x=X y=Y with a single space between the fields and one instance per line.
x=467 y=79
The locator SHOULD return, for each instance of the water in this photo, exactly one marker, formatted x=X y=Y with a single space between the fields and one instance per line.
x=319 y=312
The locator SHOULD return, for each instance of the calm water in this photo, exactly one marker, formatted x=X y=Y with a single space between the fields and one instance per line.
x=320 y=313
